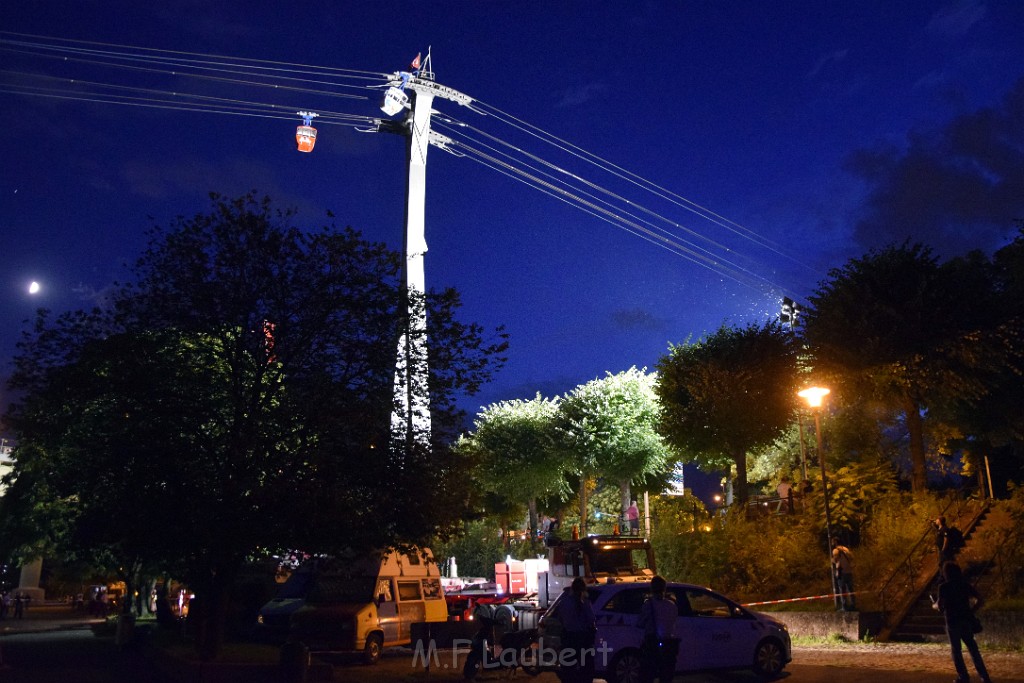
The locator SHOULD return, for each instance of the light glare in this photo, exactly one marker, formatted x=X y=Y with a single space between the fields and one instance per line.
x=814 y=395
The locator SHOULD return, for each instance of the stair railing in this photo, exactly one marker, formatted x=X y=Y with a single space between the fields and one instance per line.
x=912 y=575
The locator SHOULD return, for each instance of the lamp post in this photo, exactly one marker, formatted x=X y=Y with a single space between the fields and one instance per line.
x=815 y=397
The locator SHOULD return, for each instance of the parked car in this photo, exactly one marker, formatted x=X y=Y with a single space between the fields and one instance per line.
x=274 y=619
x=715 y=632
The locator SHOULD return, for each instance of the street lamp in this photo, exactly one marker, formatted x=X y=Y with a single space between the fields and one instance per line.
x=815 y=397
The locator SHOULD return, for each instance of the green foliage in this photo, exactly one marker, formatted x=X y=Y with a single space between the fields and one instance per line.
x=852 y=491
x=688 y=543
x=475 y=550
x=608 y=425
x=1009 y=583
x=898 y=522
x=237 y=396
x=883 y=335
x=727 y=395
x=512 y=448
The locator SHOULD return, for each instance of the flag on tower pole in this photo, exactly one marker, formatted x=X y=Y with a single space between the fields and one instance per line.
x=416 y=62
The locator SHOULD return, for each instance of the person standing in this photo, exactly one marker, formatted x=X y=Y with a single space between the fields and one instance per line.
x=660 y=645
x=944 y=541
x=785 y=491
x=633 y=518
x=579 y=627
x=842 y=565
x=955 y=603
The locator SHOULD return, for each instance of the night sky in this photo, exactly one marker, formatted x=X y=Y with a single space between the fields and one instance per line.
x=806 y=132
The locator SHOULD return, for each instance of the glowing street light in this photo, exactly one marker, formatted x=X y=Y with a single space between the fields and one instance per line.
x=815 y=397
x=33 y=287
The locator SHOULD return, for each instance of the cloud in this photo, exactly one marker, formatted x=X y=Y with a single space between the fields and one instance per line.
x=99 y=298
x=956 y=188
x=956 y=19
x=635 y=319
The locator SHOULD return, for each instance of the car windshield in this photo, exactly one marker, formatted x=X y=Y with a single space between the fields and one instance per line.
x=295 y=587
x=612 y=562
x=334 y=589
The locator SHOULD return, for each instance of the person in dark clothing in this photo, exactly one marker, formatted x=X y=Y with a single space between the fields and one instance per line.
x=942 y=541
x=954 y=601
x=579 y=627
x=660 y=645
x=842 y=565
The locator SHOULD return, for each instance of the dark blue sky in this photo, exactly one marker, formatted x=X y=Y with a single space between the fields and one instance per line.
x=813 y=130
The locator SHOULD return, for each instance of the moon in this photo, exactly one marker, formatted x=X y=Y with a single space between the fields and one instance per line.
x=33 y=288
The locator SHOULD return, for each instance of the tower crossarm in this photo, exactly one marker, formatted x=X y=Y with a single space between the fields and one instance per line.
x=402 y=128
x=427 y=86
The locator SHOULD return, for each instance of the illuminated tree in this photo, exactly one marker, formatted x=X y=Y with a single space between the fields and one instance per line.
x=727 y=395
x=512 y=446
x=608 y=427
x=897 y=330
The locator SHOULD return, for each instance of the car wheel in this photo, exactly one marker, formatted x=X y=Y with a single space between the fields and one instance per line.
x=528 y=660
x=768 y=658
x=625 y=667
x=373 y=649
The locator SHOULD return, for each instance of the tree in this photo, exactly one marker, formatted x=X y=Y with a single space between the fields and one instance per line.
x=990 y=423
x=514 y=454
x=897 y=329
x=727 y=395
x=237 y=397
x=608 y=427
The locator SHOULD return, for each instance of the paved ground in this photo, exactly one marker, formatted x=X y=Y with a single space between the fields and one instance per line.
x=53 y=644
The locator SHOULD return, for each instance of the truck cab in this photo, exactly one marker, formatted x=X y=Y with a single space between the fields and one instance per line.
x=598 y=559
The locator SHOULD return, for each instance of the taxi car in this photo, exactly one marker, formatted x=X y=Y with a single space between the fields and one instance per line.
x=715 y=633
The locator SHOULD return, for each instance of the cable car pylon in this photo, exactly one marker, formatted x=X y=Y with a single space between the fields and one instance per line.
x=410 y=418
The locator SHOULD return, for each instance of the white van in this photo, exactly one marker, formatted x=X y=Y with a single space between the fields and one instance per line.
x=367 y=603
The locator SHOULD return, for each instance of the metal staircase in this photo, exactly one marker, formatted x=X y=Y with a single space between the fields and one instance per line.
x=905 y=596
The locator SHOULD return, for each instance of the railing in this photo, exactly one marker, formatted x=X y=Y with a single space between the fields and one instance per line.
x=762 y=506
x=919 y=567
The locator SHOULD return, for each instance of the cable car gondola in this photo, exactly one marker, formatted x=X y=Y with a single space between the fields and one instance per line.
x=395 y=100
x=305 y=135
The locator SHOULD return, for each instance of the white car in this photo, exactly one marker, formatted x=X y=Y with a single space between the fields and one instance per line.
x=715 y=633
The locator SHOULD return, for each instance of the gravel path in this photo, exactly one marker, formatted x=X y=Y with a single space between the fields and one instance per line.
x=931 y=657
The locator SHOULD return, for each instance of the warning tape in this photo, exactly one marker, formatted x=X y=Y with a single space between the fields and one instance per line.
x=830 y=596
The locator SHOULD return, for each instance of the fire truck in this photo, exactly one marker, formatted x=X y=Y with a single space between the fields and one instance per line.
x=524 y=589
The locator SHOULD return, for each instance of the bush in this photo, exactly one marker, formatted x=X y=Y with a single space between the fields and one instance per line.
x=475 y=551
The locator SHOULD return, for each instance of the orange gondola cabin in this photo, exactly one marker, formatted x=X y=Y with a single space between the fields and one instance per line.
x=305 y=135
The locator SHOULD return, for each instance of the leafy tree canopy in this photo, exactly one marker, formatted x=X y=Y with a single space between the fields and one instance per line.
x=911 y=337
x=608 y=427
x=512 y=444
x=728 y=395
x=237 y=396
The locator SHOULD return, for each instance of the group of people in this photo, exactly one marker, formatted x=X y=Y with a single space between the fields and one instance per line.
x=17 y=604
x=657 y=620
x=790 y=495
x=957 y=599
